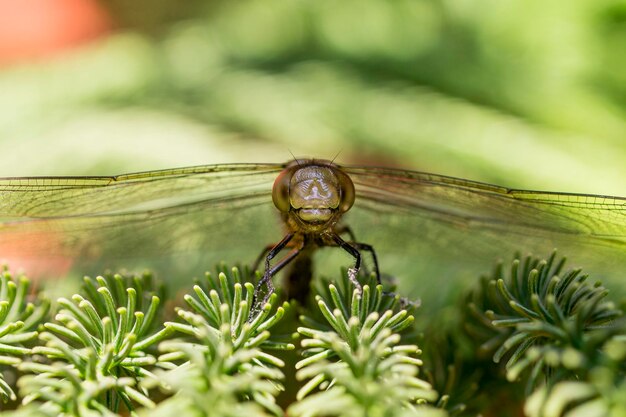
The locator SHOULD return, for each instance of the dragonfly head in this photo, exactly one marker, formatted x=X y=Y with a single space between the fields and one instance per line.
x=315 y=192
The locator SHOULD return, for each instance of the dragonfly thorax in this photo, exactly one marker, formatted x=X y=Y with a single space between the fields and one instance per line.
x=313 y=193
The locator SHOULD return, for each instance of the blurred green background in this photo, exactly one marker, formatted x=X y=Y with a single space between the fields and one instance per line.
x=522 y=93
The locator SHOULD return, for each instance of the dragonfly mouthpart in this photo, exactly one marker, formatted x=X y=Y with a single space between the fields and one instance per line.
x=315 y=215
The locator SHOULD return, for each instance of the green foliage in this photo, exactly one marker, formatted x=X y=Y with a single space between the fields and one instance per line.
x=226 y=370
x=599 y=394
x=545 y=321
x=534 y=324
x=455 y=368
x=539 y=325
x=359 y=365
x=97 y=349
x=20 y=314
x=292 y=75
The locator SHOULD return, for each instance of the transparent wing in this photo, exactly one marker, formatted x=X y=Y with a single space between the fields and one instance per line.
x=181 y=221
x=449 y=227
x=430 y=230
x=46 y=197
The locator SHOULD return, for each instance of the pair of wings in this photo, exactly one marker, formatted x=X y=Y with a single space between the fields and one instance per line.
x=183 y=221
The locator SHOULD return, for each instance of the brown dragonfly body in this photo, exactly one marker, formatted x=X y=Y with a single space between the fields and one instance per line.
x=311 y=195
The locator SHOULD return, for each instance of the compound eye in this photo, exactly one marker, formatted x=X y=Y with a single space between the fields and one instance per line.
x=346 y=187
x=280 y=191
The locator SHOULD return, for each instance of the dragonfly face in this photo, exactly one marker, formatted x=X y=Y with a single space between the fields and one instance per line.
x=313 y=194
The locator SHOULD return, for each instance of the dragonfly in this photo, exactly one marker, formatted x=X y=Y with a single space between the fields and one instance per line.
x=431 y=230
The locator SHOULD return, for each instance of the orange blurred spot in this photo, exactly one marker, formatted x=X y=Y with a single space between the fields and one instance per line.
x=37 y=28
x=18 y=254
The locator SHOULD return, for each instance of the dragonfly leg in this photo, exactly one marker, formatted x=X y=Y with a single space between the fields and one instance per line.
x=262 y=255
x=340 y=230
x=269 y=272
x=276 y=268
x=343 y=229
x=352 y=272
x=370 y=249
x=404 y=302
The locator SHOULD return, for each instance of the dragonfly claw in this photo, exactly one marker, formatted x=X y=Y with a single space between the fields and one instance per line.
x=269 y=286
x=352 y=273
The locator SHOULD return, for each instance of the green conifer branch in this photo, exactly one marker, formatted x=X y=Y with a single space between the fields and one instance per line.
x=97 y=349
x=20 y=315
x=542 y=325
x=454 y=367
x=551 y=328
x=221 y=366
x=356 y=361
x=600 y=394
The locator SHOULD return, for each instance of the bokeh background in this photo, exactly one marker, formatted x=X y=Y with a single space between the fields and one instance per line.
x=522 y=93
x=527 y=94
